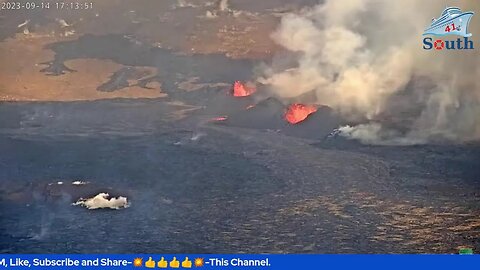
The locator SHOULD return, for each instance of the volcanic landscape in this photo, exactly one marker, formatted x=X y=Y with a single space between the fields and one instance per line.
x=155 y=101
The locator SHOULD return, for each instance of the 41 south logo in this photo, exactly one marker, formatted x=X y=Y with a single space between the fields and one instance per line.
x=452 y=21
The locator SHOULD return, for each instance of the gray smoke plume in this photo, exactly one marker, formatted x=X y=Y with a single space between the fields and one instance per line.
x=364 y=58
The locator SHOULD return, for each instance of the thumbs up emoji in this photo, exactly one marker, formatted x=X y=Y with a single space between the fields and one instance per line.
x=150 y=263
x=187 y=263
x=174 y=263
x=162 y=263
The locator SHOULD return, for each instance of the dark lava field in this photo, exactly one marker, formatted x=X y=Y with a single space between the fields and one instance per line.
x=203 y=171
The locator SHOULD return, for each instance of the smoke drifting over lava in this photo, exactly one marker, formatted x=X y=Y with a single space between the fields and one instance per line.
x=364 y=59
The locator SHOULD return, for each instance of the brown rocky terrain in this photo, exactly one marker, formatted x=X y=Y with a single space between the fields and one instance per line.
x=240 y=31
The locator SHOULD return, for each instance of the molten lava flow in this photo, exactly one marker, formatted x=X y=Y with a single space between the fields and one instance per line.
x=297 y=113
x=241 y=90
x=219 y=119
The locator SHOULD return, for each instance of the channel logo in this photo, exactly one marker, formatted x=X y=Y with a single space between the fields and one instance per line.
x=452 y=21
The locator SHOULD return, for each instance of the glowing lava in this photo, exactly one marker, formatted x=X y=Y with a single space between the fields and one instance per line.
x=219 y=119
x=297 y=113
x=241 y=90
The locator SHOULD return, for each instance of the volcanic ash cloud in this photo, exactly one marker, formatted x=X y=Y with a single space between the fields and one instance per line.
x=362 y=57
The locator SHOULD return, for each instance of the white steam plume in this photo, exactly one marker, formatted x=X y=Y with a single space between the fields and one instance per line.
x=364 y=58
x=223 y=5
x=103 y=200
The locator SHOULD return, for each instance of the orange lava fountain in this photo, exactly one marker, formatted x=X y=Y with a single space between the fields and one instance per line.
x=297 y=113
x=241 y=90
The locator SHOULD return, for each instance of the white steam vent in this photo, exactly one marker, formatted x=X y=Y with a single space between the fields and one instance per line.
x=103 y=200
